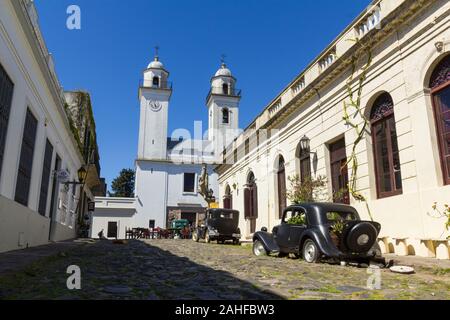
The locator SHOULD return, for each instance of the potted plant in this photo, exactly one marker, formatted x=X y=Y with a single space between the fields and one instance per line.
x=299 y=219
x=336 y=232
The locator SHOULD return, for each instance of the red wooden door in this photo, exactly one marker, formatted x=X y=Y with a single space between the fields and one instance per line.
x=339 y=172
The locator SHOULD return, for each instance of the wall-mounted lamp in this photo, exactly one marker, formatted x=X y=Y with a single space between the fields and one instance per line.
x=305 y=144
x=82 y=174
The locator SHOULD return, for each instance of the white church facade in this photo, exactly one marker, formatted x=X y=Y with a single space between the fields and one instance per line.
x=168 y=167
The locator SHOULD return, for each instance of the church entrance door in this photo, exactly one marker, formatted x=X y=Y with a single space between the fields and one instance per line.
x=190 y=216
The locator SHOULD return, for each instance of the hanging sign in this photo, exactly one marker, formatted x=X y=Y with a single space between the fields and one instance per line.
x=63 y=176
x=91 y=206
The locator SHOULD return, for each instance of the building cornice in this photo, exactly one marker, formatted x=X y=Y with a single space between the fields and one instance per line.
x=397 y=16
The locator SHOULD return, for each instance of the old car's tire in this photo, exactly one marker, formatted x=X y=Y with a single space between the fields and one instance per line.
x=236 y=242
x=195 y=236
x=259 y=249
x=310 y=252
x=207 y=237
x=361 y=237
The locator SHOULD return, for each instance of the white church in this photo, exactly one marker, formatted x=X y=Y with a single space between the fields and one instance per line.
x=168 y=167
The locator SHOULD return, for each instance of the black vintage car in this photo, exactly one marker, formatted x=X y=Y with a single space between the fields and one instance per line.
x=315 y=231
x=220 y=225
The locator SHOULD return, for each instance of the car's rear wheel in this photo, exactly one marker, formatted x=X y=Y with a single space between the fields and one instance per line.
x=311 y=252
x=361 y=237
x=258 y=249
x=195 y=236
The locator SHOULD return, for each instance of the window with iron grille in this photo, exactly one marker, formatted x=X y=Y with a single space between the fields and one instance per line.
x=45 y=182
x=26 y=159
x=6 y=93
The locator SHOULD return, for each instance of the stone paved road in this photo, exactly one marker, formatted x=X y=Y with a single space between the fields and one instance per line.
x=183 y=269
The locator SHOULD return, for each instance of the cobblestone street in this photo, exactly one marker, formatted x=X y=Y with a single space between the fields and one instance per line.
x=183 y=269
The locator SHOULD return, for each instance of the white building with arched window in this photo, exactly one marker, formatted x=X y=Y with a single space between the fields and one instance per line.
x=404 y=156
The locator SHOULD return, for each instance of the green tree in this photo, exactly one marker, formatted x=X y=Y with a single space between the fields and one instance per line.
x=123 y=185
x=306 y=191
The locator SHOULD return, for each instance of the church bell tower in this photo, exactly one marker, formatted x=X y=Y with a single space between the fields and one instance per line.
x=154 y=96
x=223 y=109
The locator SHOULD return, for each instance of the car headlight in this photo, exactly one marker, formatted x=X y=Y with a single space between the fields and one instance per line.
x=363 y=240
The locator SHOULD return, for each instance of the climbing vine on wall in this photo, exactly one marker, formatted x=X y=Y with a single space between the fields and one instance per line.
x=354 y=113
x=445 y=213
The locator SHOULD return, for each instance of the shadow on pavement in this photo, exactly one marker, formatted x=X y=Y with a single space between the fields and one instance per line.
x=134 y=270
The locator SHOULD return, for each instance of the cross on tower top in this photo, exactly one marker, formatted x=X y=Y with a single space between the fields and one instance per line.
x=222 y=59
x=156 y=53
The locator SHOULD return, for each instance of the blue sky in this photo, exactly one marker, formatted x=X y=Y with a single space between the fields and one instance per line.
x=267 y=43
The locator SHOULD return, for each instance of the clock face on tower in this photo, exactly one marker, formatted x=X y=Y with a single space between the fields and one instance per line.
x=154 y=105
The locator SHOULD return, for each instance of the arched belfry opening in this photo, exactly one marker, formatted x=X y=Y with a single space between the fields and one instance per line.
x=225 y=116
x=156 y=82
x=225 y=89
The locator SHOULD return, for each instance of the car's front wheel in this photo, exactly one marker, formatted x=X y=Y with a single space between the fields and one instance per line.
x=195 y=236
x=258 y=249
x=311 y=252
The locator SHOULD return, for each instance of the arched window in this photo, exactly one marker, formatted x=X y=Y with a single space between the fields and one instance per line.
x=228 y=198
x=225 y=116
x=251 y=201
x=281 y=185
x=440 y=92
x=156 y=82
x=386 y=155
x=225 y=88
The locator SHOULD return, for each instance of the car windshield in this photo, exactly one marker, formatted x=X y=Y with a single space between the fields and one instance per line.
x=341 y=216
x=222 y=215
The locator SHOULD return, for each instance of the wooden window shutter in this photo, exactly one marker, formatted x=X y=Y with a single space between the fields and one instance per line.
x=247 y=202
x=6 y=94
x=26 y=159
x=255 y=202
x=45 y=182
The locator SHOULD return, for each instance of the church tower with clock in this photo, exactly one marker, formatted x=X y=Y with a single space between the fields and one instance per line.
x=154 y=95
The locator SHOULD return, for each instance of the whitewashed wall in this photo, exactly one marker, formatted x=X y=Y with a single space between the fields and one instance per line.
x=31 y=90
x=160 y=184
